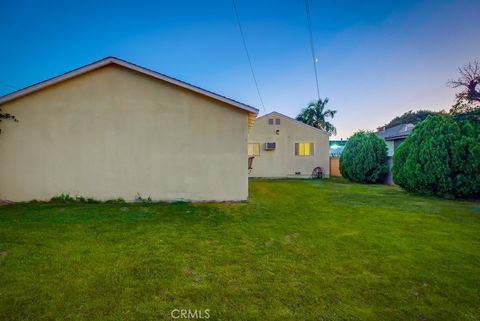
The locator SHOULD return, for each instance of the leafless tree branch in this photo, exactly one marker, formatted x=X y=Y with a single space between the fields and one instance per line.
x=470 y=80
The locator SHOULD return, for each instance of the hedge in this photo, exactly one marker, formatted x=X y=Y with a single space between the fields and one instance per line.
x=364 y=158
x=440 y=157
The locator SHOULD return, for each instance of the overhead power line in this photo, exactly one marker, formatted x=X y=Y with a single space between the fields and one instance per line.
x=309 y=22
x=248 y=55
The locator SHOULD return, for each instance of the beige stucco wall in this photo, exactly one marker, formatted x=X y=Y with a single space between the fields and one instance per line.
x=282 y=162
x=114 y=133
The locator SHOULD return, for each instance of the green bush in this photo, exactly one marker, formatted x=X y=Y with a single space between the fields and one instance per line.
x=67 y=199
x=62 y=198
x=440 y=157
x=116 y=201
x=364 y=158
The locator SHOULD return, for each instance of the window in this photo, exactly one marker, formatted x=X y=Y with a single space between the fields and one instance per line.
x=303 y=149
x=277 y=121
x=270 y=121
x=254 y=149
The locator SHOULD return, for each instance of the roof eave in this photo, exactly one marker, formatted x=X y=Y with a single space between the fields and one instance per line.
x=112 y=60
x=395 y=137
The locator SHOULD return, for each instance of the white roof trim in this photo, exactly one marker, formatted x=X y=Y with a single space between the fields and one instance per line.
x=126 y=64
x=296 y=121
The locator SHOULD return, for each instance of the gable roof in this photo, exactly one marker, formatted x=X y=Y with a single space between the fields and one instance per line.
x=115 y=61
x=396 y=132
x=296 y=121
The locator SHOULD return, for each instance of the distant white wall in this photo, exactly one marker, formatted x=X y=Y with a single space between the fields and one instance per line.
x=390 y=147
x=282 y=162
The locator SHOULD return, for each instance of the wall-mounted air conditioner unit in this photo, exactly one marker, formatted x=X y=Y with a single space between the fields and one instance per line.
x=270 y=146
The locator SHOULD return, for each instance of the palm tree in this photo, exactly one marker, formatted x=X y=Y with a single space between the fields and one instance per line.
x=315 y=115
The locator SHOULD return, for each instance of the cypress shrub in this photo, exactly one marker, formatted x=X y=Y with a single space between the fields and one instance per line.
x=364 y=158
x=440 y=157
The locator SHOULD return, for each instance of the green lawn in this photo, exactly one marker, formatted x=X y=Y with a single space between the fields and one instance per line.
x=297 y=250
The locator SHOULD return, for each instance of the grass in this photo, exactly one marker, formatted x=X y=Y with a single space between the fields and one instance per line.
x=297 y=250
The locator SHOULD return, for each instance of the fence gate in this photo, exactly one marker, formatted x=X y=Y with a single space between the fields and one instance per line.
x=335 y=167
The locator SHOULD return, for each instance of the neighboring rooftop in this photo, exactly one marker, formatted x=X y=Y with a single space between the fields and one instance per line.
x=396 y=132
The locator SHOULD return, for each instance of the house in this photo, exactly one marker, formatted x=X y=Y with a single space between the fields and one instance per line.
x=114 y=129
x=394 y=136
x=284 y=147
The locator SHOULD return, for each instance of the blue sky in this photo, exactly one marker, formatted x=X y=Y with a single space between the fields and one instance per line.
x=376 y=59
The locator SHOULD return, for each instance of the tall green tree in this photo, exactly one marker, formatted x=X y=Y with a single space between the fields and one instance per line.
x=316 y=115
x=5 y=116
x=410 y=117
